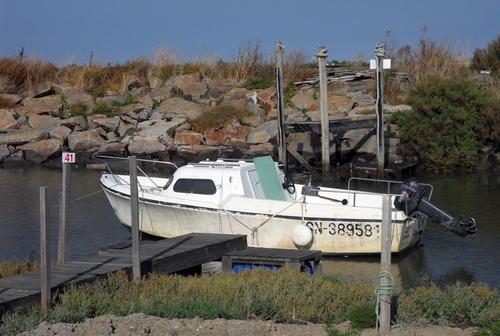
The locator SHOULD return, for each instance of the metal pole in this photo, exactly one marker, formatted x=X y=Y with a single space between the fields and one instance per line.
x=379 y=54
x=281 y=105
x=385 y=266
x=62 y=248
x=44 y=253
x=321 y=56
x=134 y=213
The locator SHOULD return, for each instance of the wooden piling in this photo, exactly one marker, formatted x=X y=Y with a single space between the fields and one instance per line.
x=321 y=56
x=62 y=247
x=385 y=285
x=134 y=213
x=281 y=105
x=44 y=253
x=380 y=53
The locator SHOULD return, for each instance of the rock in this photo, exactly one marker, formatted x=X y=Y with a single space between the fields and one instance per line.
x=260 y=150
x=48 y=104
x=7 y=120
x=237 y=93
x=266 y=97
x=21 y=136
x=177 y=106
x=125 y=129
x=263 y=133
x=4 y=152
x=156 y=128
x=85 y=141
x=101 y=131
x=41 y=151
x=396 y=108
x=361 y=99
x=292 y=114
x=43 y=121
x=81 y=98
x=109 y=100
x=188 y=138
x=227 y=136
x=217 y=89
x=60 y=132
x=130 y=82
x=109 y=123
x=305 y=99
x=10 y=100
x=145 y=114
x=161 y=93
x=22 y=120
x=191 y=85
x=73 y=122
x=362 y=110
x=132 y=110
x=113 y=148
x=112 y=137
x=43 y=90
x=355 y=136
x=338 y=104
x=141 y=145
x=344 y=328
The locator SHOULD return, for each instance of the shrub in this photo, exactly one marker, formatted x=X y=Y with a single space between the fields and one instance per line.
x=77 y=109
x=104 y=108
x=450 y=120
x=489 y=58
x=10 y=268
x=362 y=316
x=474 y=304
x=492 y=329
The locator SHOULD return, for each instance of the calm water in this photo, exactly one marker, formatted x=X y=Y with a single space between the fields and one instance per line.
x=443 y=257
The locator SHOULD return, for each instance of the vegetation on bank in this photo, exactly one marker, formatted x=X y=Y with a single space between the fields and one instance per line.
x=451 y=121
x=269 y=295
x=10 y=268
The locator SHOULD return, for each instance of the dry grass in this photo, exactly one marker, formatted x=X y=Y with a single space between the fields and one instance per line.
x=10 y=268
x=24 y=74
x=218 y=117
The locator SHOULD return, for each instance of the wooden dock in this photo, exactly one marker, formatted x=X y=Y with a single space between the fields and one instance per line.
x=162 y=256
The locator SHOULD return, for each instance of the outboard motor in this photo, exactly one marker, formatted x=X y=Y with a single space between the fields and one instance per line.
x=412 y=199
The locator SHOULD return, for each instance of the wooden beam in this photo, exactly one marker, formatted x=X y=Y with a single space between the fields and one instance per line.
x=281 y=105
x=44 y=253
x=321 y=56
x=134 y=213
x=299 y=158
x=385 y=267
x=62 y=247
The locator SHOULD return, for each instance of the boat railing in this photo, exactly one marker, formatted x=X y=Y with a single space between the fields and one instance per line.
x=122 y=181
x=389 y=183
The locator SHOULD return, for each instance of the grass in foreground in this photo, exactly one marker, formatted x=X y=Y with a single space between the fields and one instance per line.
x=280 y=296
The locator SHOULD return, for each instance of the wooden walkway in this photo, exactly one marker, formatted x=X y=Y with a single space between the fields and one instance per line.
x=163 y=256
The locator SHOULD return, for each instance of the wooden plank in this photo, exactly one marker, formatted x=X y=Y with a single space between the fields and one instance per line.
x=299 y=158
x=62 y=246
x=385 y=265
x=134 y=208
x=44 y=275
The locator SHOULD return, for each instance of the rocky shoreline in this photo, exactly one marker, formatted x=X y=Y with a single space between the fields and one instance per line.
x=178 y=119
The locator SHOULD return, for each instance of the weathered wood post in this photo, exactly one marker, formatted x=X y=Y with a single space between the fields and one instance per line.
x=379 y=54
x=62 y=247
x=134 y=213
x=321 y=56
x=44 y=253
x=385 y=285
x=280 y=104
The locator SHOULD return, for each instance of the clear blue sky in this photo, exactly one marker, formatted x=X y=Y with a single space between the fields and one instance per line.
x=64 y=30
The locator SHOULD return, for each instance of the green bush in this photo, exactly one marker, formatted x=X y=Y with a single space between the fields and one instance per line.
x=492 y=329
x=450 y=121
x=362 y=316
x=473 y=304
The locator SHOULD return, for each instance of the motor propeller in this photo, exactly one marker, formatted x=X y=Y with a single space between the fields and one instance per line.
x=412 y=199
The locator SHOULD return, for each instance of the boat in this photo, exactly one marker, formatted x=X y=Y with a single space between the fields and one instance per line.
x=256 y=198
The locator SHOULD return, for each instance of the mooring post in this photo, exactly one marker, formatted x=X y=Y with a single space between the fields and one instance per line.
x=321 y=56
x=134 y=213
x=62 y=247
x=379 y=54
x=281 y=105
x=44 y=253
x=385 y=285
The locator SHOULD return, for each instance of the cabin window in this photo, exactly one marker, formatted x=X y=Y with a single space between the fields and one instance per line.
x=195 y=186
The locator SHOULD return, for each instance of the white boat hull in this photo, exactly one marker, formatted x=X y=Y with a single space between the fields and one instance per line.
x=343 y=232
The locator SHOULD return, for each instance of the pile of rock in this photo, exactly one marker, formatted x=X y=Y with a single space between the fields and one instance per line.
x=160 y=121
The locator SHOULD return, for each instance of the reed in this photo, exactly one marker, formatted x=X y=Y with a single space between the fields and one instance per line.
x=10 y=268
